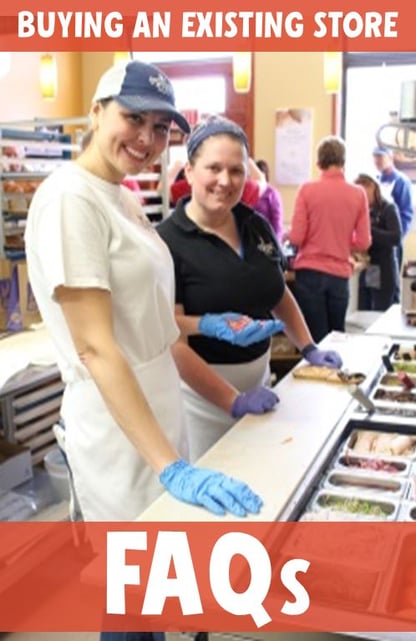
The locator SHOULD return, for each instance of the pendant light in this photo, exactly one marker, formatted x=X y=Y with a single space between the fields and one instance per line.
x=48 y=76
x=332 y=71
x=242 y=71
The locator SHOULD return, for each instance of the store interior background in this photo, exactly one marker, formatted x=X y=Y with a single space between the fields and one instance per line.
x=280 y=80
x=369 y=94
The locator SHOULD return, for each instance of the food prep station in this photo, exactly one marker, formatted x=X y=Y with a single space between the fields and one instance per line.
x=332 y=457
x=365 y=480
x=324 y=455
x=367 y=473
x=370 y=470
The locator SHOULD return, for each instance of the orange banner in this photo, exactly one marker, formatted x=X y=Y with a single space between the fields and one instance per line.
x=379 y=25
x=208 y=576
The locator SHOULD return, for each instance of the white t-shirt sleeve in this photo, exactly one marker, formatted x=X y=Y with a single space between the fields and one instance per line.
x=72 y=240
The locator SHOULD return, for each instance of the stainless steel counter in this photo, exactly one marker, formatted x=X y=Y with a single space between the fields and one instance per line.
x=393 y=324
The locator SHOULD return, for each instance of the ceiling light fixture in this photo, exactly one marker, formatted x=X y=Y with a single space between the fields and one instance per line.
x=242 y=71
x=48 y=76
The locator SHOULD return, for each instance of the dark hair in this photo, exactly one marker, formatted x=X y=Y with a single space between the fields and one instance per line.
x=87 y=137
x=263 y=165
x=331 y=151
x=366 y=180
x=180 y=175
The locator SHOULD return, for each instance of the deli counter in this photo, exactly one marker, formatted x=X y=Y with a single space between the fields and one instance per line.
x=280 y=453
x=324 y=438
x=331 y=451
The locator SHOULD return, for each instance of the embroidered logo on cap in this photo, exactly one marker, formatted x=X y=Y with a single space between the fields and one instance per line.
x=161 y=83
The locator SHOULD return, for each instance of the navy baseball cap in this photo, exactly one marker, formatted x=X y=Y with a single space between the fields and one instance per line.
x=214 y=126
x=381 y=151
x=138 y=86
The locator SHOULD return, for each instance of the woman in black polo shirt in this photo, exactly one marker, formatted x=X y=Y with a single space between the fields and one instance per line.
x=226 y=260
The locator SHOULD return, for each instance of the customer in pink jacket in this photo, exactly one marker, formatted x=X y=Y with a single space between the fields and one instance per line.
x=330 y=220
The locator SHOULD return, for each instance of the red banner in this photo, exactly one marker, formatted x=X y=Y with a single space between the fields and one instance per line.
x=208 y=576
x=50 y=25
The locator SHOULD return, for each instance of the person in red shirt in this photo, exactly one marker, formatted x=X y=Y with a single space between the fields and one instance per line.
x=331 y=219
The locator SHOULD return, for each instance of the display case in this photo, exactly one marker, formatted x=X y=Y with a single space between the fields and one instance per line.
x=391 y=394
x=30 y=150
x=365 y=474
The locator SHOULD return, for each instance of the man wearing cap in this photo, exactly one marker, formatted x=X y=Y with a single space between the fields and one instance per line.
x=398 y=186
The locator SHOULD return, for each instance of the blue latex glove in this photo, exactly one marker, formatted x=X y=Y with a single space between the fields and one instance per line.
x=213 y=490
x=321 y=357
x=251 y=331
x=255 y=401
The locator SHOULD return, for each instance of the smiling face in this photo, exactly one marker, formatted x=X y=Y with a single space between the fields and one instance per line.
x=124 y=142
x=217 y=173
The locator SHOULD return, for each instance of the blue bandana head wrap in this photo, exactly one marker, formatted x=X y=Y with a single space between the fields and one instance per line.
x=214 y=126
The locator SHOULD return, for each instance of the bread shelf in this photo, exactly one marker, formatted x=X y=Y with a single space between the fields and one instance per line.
x=30 y=150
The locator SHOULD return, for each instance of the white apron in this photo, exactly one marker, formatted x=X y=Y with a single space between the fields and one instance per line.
x=206 y=423
x=112 y=481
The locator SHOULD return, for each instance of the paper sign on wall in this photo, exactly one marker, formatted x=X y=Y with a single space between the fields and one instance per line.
x=293 y=139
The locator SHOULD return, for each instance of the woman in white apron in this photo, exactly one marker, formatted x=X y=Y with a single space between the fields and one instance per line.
x=104 y=283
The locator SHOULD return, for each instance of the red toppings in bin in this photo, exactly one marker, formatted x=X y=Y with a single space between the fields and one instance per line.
x=406 y=380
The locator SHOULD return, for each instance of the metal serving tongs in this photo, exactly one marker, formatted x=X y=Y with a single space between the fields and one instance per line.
x=359 y=395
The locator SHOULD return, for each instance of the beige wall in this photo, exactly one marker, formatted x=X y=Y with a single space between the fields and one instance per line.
x=20 y=93
x=285 y=80
x=77 y=76
x=93 y=65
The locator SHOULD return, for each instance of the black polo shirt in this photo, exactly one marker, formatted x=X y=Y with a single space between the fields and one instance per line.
x=211 y=277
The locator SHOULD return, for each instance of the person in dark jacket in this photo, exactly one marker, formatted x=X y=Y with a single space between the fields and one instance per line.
x=380 y=280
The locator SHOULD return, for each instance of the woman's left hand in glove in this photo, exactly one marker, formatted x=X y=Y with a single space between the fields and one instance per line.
x=321 y=357
x=255 y=401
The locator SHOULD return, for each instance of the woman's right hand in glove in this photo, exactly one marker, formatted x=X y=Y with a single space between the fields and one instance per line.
x=213 y=490
x=238 y=329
